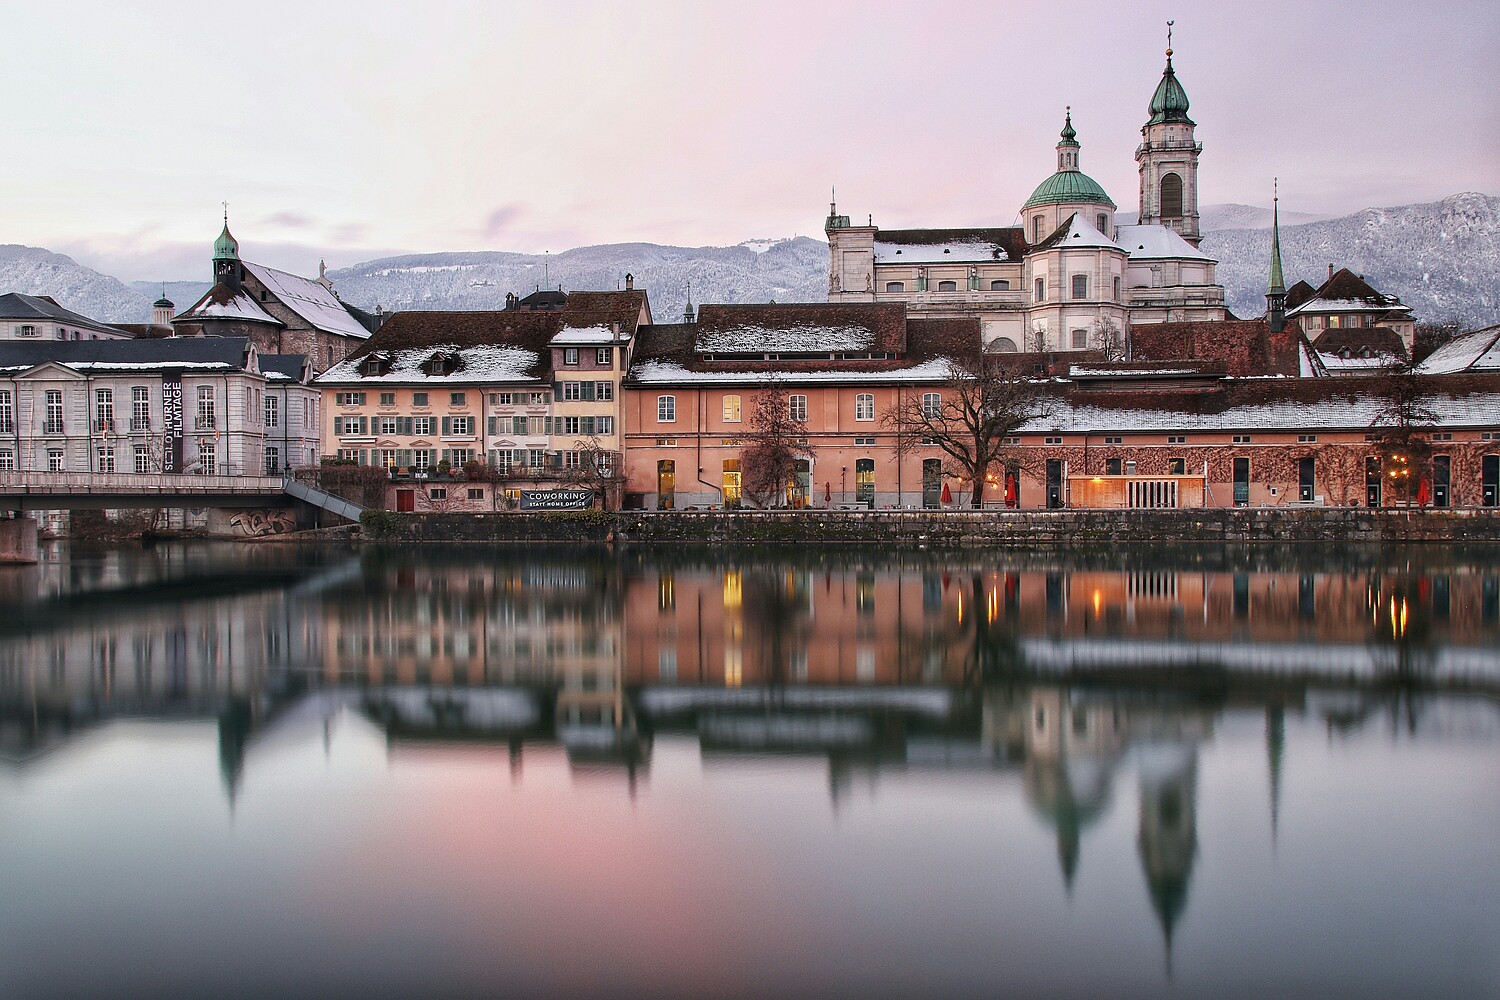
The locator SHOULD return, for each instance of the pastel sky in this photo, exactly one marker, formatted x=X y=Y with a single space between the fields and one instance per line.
x=351 y=130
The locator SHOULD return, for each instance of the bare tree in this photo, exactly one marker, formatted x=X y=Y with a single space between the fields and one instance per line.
x=598 y=469
x=1106 y=337
x=768 y=463
x=1035 y=341
x=977 y=408
x=1400 y=428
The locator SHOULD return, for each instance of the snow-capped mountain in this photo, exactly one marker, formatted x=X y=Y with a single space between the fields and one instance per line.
x=34 y=271
x=1442 y=258
x=787 y=270
x=1212 y=218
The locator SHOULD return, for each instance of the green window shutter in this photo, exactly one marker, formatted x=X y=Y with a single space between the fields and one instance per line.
x=446 y=455
x=406 y=426
x=447 y=428
x=364 y=425
x=547 y=428
x=588 y=391
x=364 y=457
x=494 y=423
x=518 y=425
x=588 y=425
x=518 y=457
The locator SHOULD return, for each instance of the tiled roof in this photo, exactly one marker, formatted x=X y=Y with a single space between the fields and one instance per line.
x=1007 y=243
x=1475 y=351
x=803 y=327
x=309 y=299
x=129 y=354
x=1299 y=293
x=603 y=308
x=222 y=302
x=1077 y=233
x=1344 y=292
x=1247 y=347
x=291 y=366
x=15 y=305
x=418 y=329
x=1360 y=341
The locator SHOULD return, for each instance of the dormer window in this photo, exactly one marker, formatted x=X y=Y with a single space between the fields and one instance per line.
x=441 y=363
x=378 y=363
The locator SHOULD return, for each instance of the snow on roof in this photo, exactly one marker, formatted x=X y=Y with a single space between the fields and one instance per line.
x=670 y=373
x=960 y=252
x=1346 y=305
x=310 y=300
x=1478 y=350
x=1353 y=412
x=1155 y=242
x=487 y=363
x=1087 y=371
x=241 y=305
x=585 y=335
x=1336 y=362
x=753 y=338
x=1082 y=234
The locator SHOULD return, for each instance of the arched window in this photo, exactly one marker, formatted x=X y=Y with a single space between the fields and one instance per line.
x=1004 y=345
x=1000 y=285
x=947 y=286
x=1171 y=196
x=895 y=286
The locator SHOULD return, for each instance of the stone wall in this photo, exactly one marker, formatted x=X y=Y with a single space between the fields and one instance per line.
x=1006 y=529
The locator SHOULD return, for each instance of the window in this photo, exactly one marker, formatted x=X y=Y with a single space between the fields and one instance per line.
x=208 y=459
x=273 y=460
x=205 y=420
x=732 y=409
x=500 y=399
x=604 y=357
x=1242 y=439
x=309 y=413
x=460 y=426
x=349 y=398
x=142 y=458
x=570 y=460
x=272 y=412
x=421 y=458
x=1113 y=440
x=1080 y=339
x=26 y=331
x=1101 y=222
x=458 y=399
x=104 y=409
x=55 y=460
x=8 y=413
x=1000 y=285
x=54 y=420
x=666 y=409
x=864 y=406
x=1080 y=286
x=864 y=442
x=895 y=286
x=570 y=392
x=570 y=355
x=1171 y=196
x=1036 y=229
x=387 y=399
x=390 y=425
x=536 y=458
x=1176 y=466
x=421 y=426
x=947 y=286
x=1117 y=288
x=1112 y=466
x=419 y=399
x=796 y=407
x=1312 y=438
x=437 y=493
x=1176 y=439
x=932 y=405
x=1052 y=440
x=604 y=391
x=1041 y=290
x=459 y=456
x=106 y=458
x=476 y=492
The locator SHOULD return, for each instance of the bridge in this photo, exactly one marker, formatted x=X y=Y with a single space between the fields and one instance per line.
x=21 y=492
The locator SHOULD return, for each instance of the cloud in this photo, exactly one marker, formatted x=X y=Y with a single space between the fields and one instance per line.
x=501 y=220
x=288 y=220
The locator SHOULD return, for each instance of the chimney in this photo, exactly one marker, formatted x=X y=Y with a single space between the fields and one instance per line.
x=629 y=281
x=1330 y=272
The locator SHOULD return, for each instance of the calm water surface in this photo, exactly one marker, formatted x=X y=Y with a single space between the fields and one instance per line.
x=258 y=771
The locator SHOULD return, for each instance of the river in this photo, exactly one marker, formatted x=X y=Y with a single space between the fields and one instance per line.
x=239 y=770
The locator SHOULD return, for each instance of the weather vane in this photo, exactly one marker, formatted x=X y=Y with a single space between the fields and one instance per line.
x=1169 y=36
x=226 y=211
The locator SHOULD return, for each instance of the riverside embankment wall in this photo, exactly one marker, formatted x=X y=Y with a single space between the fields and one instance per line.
x=1002 y=529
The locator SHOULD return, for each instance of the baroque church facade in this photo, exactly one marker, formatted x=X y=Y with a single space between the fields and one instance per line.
x=1068 y=277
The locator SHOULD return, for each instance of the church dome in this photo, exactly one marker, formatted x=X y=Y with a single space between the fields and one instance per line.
x=1068 y=187
x=1170 y=102
x=163 y=303
x=226 y=247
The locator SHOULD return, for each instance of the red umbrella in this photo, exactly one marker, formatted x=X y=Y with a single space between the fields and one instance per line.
x=947 y=494
x=1423 y=496
x=827 y=492
x=1010 y=491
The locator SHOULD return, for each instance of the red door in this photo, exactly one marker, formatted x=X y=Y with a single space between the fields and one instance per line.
x=406 y=501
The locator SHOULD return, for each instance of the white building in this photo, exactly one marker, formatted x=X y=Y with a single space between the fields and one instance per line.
x=204 y=405
x=39 y=318
x=1068 y=277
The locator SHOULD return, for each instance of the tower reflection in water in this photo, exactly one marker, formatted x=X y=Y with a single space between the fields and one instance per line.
x=1091 y=685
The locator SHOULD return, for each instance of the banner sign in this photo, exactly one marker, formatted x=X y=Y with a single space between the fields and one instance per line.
x=557 y=499
x=171 y=421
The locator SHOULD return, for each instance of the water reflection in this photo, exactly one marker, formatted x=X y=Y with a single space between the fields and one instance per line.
x=1099 y=699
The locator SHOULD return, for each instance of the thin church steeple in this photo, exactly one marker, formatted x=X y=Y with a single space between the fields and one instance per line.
x=1276 y=289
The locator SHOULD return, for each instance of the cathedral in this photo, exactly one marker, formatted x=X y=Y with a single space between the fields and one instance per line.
x=1068 y=277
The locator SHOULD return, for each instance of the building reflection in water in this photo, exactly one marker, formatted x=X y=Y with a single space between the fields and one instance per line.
x=1083 y=682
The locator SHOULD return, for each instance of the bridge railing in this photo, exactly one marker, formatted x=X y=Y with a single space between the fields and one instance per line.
x=75 y=483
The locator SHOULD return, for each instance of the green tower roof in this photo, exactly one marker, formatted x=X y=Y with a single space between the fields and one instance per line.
x=1068 y=187
x=226 y=247
x=1277 y=285
x=1170 y=102
x=1069 y=136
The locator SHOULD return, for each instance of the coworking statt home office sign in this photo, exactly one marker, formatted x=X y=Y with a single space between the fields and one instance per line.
x=171 y=421
x=557 y=499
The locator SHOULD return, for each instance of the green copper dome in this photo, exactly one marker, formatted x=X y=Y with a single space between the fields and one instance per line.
x=1068 y=187
x=1170 y=102
x=226 y=247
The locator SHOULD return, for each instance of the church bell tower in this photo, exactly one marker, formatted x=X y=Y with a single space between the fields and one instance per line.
x=1168 y=158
